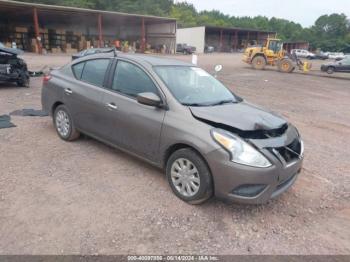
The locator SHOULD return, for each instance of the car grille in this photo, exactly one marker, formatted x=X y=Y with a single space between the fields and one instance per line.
x=5 y=69
x=290 y=152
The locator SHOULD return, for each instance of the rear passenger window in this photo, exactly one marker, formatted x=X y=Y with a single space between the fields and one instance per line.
x=94 y=71
x=131 y=80
x=77 y=70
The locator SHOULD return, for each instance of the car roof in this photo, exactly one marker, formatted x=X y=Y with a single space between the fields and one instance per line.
x=150 y=60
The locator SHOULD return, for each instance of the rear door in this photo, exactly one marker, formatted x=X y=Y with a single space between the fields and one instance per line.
x=84 y=97
x=128 y=124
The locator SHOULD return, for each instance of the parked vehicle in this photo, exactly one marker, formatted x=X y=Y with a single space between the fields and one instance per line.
x=179 y=118
x=336 y=55
x=185 y=49
x=302 y=53
x=90 y=51
x=337 y=66
x=209 y=49
x=12 y=68
x=321 y=55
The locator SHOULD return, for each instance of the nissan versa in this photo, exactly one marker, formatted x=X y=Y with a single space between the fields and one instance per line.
x=178 y=117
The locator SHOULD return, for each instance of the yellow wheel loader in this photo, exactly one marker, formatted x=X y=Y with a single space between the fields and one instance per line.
x=272 y=54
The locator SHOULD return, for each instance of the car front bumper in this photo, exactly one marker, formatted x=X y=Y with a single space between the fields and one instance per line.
x=323 y=68
x=250 y=185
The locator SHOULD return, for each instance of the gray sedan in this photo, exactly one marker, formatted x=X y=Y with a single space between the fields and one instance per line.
x=179 y=118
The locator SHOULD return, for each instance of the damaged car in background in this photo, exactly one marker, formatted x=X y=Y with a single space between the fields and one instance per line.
x=12 y=68
x=179 y=118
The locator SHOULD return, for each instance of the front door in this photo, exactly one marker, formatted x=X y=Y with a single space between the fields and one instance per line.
x=128 y=124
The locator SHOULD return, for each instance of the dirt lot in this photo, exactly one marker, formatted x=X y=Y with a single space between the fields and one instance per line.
x=87 y=198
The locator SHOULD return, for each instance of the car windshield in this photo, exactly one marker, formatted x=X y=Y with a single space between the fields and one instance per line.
x=345 y=61
x=193 y=86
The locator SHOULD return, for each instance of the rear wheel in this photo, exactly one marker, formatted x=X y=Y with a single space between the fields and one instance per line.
x=189 y=176
x=259 y=63
x=64 y=124
x=285 y=66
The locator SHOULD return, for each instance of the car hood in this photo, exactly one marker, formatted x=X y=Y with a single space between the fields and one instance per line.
x=240 y=116
x=11 y=51
x=330 y=63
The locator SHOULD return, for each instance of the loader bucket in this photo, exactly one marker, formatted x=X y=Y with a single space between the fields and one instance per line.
x=307 y=66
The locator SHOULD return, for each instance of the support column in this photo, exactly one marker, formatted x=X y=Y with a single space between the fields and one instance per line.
x=236 y=40
x=100 y=38
x=258 y=38
x=248 y=38
x=221 y=39
x=143 y=35
x=36 y=30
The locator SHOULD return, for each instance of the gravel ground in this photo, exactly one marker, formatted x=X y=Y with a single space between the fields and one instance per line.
x=87 y=198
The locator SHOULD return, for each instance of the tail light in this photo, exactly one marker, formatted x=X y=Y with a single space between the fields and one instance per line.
x=46 y=78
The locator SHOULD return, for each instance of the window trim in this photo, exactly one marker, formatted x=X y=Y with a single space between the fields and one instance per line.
x=113 y=68
x=106 y=76
x=72 y=67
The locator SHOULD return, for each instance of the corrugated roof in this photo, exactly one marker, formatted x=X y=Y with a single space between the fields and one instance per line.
x=231 y=29
x=43 y=7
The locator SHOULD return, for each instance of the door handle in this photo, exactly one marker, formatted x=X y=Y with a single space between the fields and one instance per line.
x=68 y=91
x=112 y=106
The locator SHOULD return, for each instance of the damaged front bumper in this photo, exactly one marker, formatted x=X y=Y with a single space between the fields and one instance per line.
x=12 y=77
x=252 y=185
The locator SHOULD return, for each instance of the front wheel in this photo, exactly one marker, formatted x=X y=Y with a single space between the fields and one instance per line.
x=259 y=63
x=64 y=124
x=189 y=176
x=330 y=70
x=285 y=66
x=24 y=81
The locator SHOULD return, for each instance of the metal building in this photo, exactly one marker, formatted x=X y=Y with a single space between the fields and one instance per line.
x=223 y=39
x=38 y=27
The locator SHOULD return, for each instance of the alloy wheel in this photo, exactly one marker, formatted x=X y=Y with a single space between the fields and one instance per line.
x=62 y=123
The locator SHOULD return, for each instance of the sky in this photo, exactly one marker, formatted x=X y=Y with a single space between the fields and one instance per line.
x=304 y=12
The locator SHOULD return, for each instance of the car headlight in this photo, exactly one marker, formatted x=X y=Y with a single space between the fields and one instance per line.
x=240 y=151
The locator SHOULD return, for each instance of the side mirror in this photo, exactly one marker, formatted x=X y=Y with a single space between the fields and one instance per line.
x=149 y=99
x=218 y=68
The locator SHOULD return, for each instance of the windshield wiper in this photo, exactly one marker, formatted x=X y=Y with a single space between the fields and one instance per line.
x=194 y=104
x=222 y=102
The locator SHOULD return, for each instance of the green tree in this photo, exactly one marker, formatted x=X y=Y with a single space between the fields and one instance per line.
x=330 y=32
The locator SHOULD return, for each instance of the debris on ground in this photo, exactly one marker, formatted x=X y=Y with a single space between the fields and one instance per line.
x=5 y=122
x=29 y=112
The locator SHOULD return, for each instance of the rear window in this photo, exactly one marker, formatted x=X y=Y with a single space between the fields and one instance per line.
x=94 y=71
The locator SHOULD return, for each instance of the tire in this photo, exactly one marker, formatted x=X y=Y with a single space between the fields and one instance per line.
x=24 y=81
x=285 y=66
x=197 y=177
x=330 y=70
x=64 y=124
x=259 y=62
